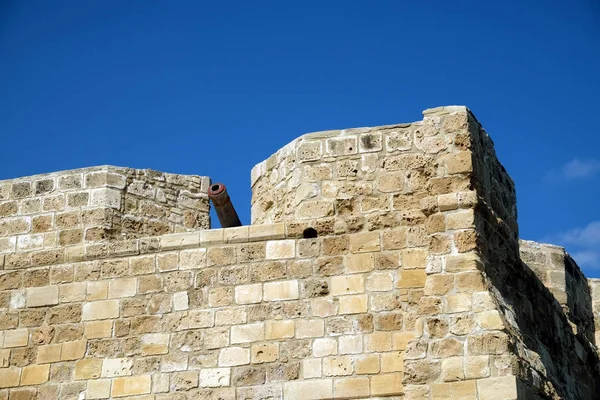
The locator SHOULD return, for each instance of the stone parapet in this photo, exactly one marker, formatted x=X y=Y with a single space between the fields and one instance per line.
x=50 y=212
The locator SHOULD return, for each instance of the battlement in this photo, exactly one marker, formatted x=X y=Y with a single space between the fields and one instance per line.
x=381 y=262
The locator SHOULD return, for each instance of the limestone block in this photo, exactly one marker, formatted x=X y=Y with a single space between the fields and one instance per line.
x=414 y=258
x=309 y=328
x=477 y=367
x=361 y=262
x=386 y=385
x=15 y=338
x=233 y=356
x=379 y=282
x=458 y=303
x=482 y=301
x=341 y=146
x=89 y=368
x=400 y=340
x=463 y=262
x=280 y=249
x=412 y=278
x=106 y=197
x=489 y=320
x=378 y=342
x=125 y=287
x=499 y=388
x=42 y=296
x=266 y=232
x=264 y=353
x=279 y=329
x=323 y=307
x=98 y=389
x=215 y=377
x=72 y=292
x=9 y=377
x=311 y=368
x=286 y=290
x=98 y=329
x=354 y=304
x=461 y=219
x=97 y=290
x=104 y=309
x=367 y=364
x=350 y=344
x=314 y=389
x=192 y=259
x=453 y=369
x=247 y=333
x=324 y=347
x=365 y=242
x=392 y=362
x=347 y=284
x=248 y=294
x=309 y=151
x=112 y=367
x=131 y=385
x=48 y=354
x=180 y=301
x=73 y=350
x=35 y=374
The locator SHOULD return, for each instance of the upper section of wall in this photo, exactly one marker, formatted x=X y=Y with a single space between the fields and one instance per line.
x=370 y=176
x=98 y=204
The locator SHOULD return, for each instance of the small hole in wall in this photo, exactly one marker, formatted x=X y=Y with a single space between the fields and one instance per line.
x=309 y=233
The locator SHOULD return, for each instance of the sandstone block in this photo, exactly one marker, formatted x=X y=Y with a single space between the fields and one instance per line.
x=367 y=364
x=106 y=197
x=463 y=262
x=412 y=278
x=279 y=329
x=98 y=329
x=499 y=388
x=315 y=389
x=264 y=353
x=355 y=304
x=361 y=262
x=386 y=385
x=461 y=219
x=9 y=377
x=90 y=368
x=42 y=296
x=215 y=377
x=15 y=338
x=378 y=342
x=97 y=290
x=98 y=389
x=48 y=354
x=35 y=374
x=453 y=369
x=192 y=259
x=72 y=292
x=489 y=320
x=286 y=290
x=73 y=350
x=351 y=388
x=458 y=303
x=365 y=242
x=347 y=284
x=180 y=301
x=104 y=309
x=266 y=232
x=477 y=367
x=131 y=385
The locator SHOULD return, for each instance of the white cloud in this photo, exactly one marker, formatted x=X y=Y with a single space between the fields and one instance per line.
x=574 y=169
x=582 y=243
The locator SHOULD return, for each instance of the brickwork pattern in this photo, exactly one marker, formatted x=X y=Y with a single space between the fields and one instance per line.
x=382 y=263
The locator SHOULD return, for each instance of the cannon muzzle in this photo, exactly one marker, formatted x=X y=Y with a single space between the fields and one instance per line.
x=228 y=218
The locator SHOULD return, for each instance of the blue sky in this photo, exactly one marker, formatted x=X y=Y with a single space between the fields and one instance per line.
x=212 y=88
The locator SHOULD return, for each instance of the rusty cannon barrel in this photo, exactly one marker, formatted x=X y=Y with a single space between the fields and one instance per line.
x=228 y=218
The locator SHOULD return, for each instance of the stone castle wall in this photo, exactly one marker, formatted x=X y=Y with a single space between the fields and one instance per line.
x=381 y=263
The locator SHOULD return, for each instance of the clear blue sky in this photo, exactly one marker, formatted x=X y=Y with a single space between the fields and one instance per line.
x=212 y=88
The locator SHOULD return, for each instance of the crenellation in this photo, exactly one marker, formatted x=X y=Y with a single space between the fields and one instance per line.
x=381 y=263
